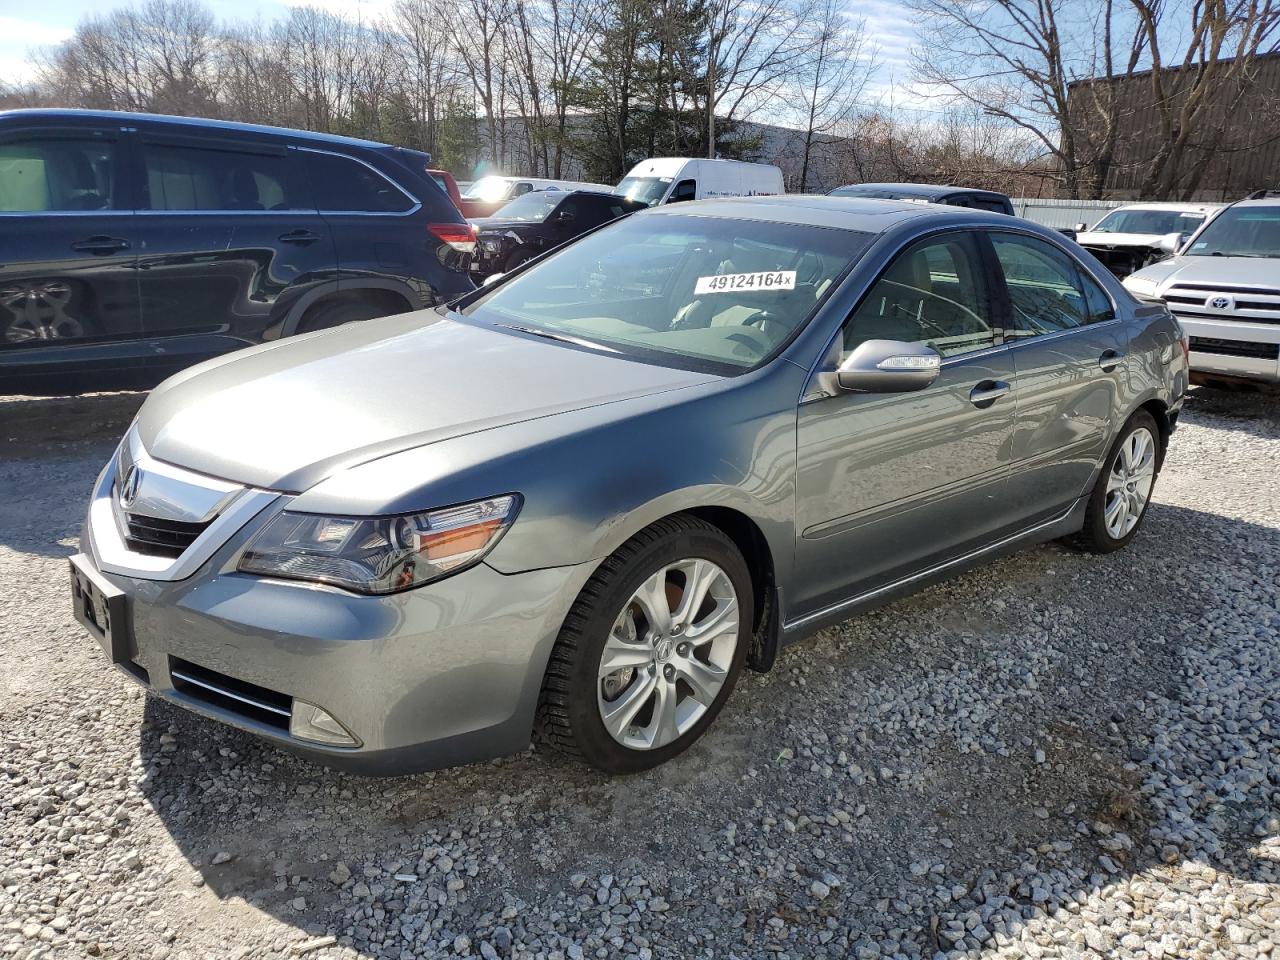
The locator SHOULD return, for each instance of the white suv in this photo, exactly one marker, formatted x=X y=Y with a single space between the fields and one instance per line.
x=1223 y=285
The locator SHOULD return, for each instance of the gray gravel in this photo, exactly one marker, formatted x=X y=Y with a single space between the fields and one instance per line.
x=1055 y=756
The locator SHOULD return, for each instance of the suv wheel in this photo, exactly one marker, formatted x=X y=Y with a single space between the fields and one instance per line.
x=335 y=313
x=1122 y=494
x=651 y=649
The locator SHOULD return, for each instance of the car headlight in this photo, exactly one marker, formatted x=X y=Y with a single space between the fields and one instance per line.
x=379 y=555
x=1140 y=286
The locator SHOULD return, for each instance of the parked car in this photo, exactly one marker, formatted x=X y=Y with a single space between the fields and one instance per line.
x=677 y=179
x=484 y=197
x=444 y=180
x=538 y=221
x=1223 y=285
x=1138 y=234
x=929 y=193
x=400 y=544
x=134 y=245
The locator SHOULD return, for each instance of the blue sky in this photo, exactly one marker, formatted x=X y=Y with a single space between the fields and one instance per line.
x=30 y=24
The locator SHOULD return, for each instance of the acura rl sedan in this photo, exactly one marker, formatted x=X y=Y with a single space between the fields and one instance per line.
x=577 y=502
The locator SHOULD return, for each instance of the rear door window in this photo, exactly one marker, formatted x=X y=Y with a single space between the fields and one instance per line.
x=56 y=174
x=344 y=185
x=1048 y=292
x=189 y=177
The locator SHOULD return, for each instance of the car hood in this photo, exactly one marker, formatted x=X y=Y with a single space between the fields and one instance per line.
x=286 y=415
x=1092 y=239
x=1224 y=271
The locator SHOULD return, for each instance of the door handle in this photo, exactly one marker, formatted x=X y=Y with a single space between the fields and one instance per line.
x=988 y=392
x=1110 y=359
x=100 y=244
x=302 y=237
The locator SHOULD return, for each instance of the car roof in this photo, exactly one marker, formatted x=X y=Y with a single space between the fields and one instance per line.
x=932 y=190
x=847 y=213
x=115 y=116
x=1259 y=202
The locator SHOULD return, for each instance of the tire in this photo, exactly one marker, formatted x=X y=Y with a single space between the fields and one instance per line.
x=335 y=313
x=576 y=692
x=1101 y=534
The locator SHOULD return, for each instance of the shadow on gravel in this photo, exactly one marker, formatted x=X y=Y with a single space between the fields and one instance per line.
x=51 y=448
x=1254 y=410
x=29 y=423
x=911 y=761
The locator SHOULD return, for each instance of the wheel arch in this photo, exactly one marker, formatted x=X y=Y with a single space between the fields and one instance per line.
x=394 y=293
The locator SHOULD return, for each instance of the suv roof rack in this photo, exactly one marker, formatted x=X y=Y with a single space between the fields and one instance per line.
x=1263 y=194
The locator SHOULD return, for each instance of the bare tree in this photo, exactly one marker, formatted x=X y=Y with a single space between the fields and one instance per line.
x=475 y=29
x=1211 y=77
x=752 y=48
x=834 y=76
x=1018 y=60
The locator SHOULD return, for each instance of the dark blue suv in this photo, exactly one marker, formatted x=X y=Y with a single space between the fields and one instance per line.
x=134 y=245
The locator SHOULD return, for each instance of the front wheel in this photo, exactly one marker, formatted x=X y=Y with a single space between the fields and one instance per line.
x=1122 y=494
x=651 y=649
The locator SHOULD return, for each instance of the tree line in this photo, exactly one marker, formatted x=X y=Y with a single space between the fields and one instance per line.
x=1025 y=96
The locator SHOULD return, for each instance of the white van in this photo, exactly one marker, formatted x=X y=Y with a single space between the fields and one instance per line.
x=673 y=179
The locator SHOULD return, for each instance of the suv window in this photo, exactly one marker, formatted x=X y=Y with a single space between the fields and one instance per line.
x=181 y=177
x=56 y=174
x=933 y=293
x=1047 y=292
x=343 y=185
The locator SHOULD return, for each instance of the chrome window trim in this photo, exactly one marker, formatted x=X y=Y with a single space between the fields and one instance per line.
x=1014 y=342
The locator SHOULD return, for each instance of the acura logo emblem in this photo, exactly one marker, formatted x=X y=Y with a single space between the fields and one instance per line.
x=1220 y=303
x=129 y=489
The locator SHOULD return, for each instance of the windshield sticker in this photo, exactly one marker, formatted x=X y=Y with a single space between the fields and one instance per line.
x=763 y=280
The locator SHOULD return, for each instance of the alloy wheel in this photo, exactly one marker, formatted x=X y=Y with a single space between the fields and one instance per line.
x=1129 y=485
x=39 y=312
x=668 y=654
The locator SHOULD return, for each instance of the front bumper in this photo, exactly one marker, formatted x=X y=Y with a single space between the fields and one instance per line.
x=1233 y=348
x=444 y=674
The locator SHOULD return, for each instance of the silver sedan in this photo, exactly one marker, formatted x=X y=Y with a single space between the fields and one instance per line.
x=580 y=500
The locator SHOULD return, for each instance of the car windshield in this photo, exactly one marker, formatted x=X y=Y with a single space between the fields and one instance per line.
x=706 y=292
x=1152 y=222
x=487 y=188
x=1240 y=232
x=530 y=208
x=646 y=190
x=876 y=193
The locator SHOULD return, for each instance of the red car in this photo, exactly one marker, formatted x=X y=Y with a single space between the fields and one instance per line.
x=448 y=185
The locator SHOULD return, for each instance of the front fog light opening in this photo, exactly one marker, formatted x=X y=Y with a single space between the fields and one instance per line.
x=309 y=722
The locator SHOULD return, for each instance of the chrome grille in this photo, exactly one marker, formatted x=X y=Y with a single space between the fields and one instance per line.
x=160 y=538
x=1248 y=304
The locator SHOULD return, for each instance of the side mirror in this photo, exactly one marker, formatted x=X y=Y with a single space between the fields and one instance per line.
x=1081 y=227
x=1169 y=243
x=565 y=216
x=889 y=366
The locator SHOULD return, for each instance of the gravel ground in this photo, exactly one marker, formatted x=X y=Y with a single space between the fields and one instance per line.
x=1055 y=756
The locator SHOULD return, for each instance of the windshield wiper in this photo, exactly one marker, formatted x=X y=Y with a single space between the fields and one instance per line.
x=562 y=337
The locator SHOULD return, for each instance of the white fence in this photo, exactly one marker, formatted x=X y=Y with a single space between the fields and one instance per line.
x=1061 y=214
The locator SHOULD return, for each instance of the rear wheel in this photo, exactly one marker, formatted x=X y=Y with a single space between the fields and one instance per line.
x=651 y=649
x=335 y=313
x=1122 y=494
